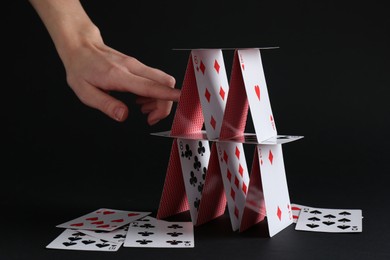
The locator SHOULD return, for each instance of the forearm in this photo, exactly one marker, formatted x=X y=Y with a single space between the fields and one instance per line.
x=67 y=23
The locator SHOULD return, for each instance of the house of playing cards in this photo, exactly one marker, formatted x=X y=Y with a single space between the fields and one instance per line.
x=207 y=171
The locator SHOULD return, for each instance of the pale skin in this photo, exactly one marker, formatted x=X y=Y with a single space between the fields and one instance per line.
x=94 y=69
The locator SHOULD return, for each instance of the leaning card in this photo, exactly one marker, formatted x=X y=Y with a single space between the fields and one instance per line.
x=330 y=220
x=194 y=158
x=275 y=188
x=160 y=233
x=296 y=209
x=235 y=178
x=213 y=87
x=104 y=219
x=257 y=93
x=71 y=239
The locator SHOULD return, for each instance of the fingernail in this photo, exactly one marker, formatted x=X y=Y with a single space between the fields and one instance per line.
x=119 y=111
x=154 y=122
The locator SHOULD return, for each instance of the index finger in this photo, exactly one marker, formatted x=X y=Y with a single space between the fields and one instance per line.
x=138 y=68
x=145 y=87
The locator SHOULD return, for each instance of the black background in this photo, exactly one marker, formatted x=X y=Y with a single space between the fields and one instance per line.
x=328 y=81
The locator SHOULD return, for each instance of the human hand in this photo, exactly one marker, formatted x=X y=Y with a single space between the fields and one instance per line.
x=94 y=70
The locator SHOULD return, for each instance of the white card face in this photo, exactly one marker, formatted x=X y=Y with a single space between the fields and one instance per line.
x=194 y=158
x=330 y=220
x=160 y=233
x=104 y=219
x=257 y=93
x=276 y=196
x=235 y=178
x=71 y=239
x=117 y=236
x=213 y=87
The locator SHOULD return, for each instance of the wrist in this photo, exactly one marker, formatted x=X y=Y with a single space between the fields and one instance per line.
x=71 y=41
x=68 y=25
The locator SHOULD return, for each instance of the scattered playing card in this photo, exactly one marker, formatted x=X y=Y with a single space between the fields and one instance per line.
x=160 y=233
x=104 y=219
x=117 y=236
x=71 y=239
x=330 y=220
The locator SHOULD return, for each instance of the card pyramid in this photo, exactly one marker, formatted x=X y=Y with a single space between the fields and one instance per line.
x=207 y=171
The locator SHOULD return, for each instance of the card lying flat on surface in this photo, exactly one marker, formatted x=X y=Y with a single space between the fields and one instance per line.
x=104 y=219
x=117 y=236
x=71 y=239
x=329 y=220
x=151 y=232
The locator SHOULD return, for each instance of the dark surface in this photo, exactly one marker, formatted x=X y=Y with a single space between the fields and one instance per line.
x=328 y=82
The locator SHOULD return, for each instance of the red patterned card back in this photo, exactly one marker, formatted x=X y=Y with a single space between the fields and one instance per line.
x=254 y=210
x=173 y=199
x=236 y=111
x=188 y=117
x=213 y=202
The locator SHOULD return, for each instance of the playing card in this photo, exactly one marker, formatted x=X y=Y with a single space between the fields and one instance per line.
x=257 y=93
x=236 y=111
x=296 y=209
x=212 y=84
x=194 y=158
x=71 y=239
x=281 y=139
x=276 y=196
x=103 y=219
x=254 y=210
x=235 y=178
x=160 y=233
x=188 y=116
x=330 y=220
x=117 y=236
x=213 y=202
x=251 y=138
x=173 y=198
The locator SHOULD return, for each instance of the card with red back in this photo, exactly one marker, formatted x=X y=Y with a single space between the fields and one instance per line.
x=200 y=105
x=104 y=219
